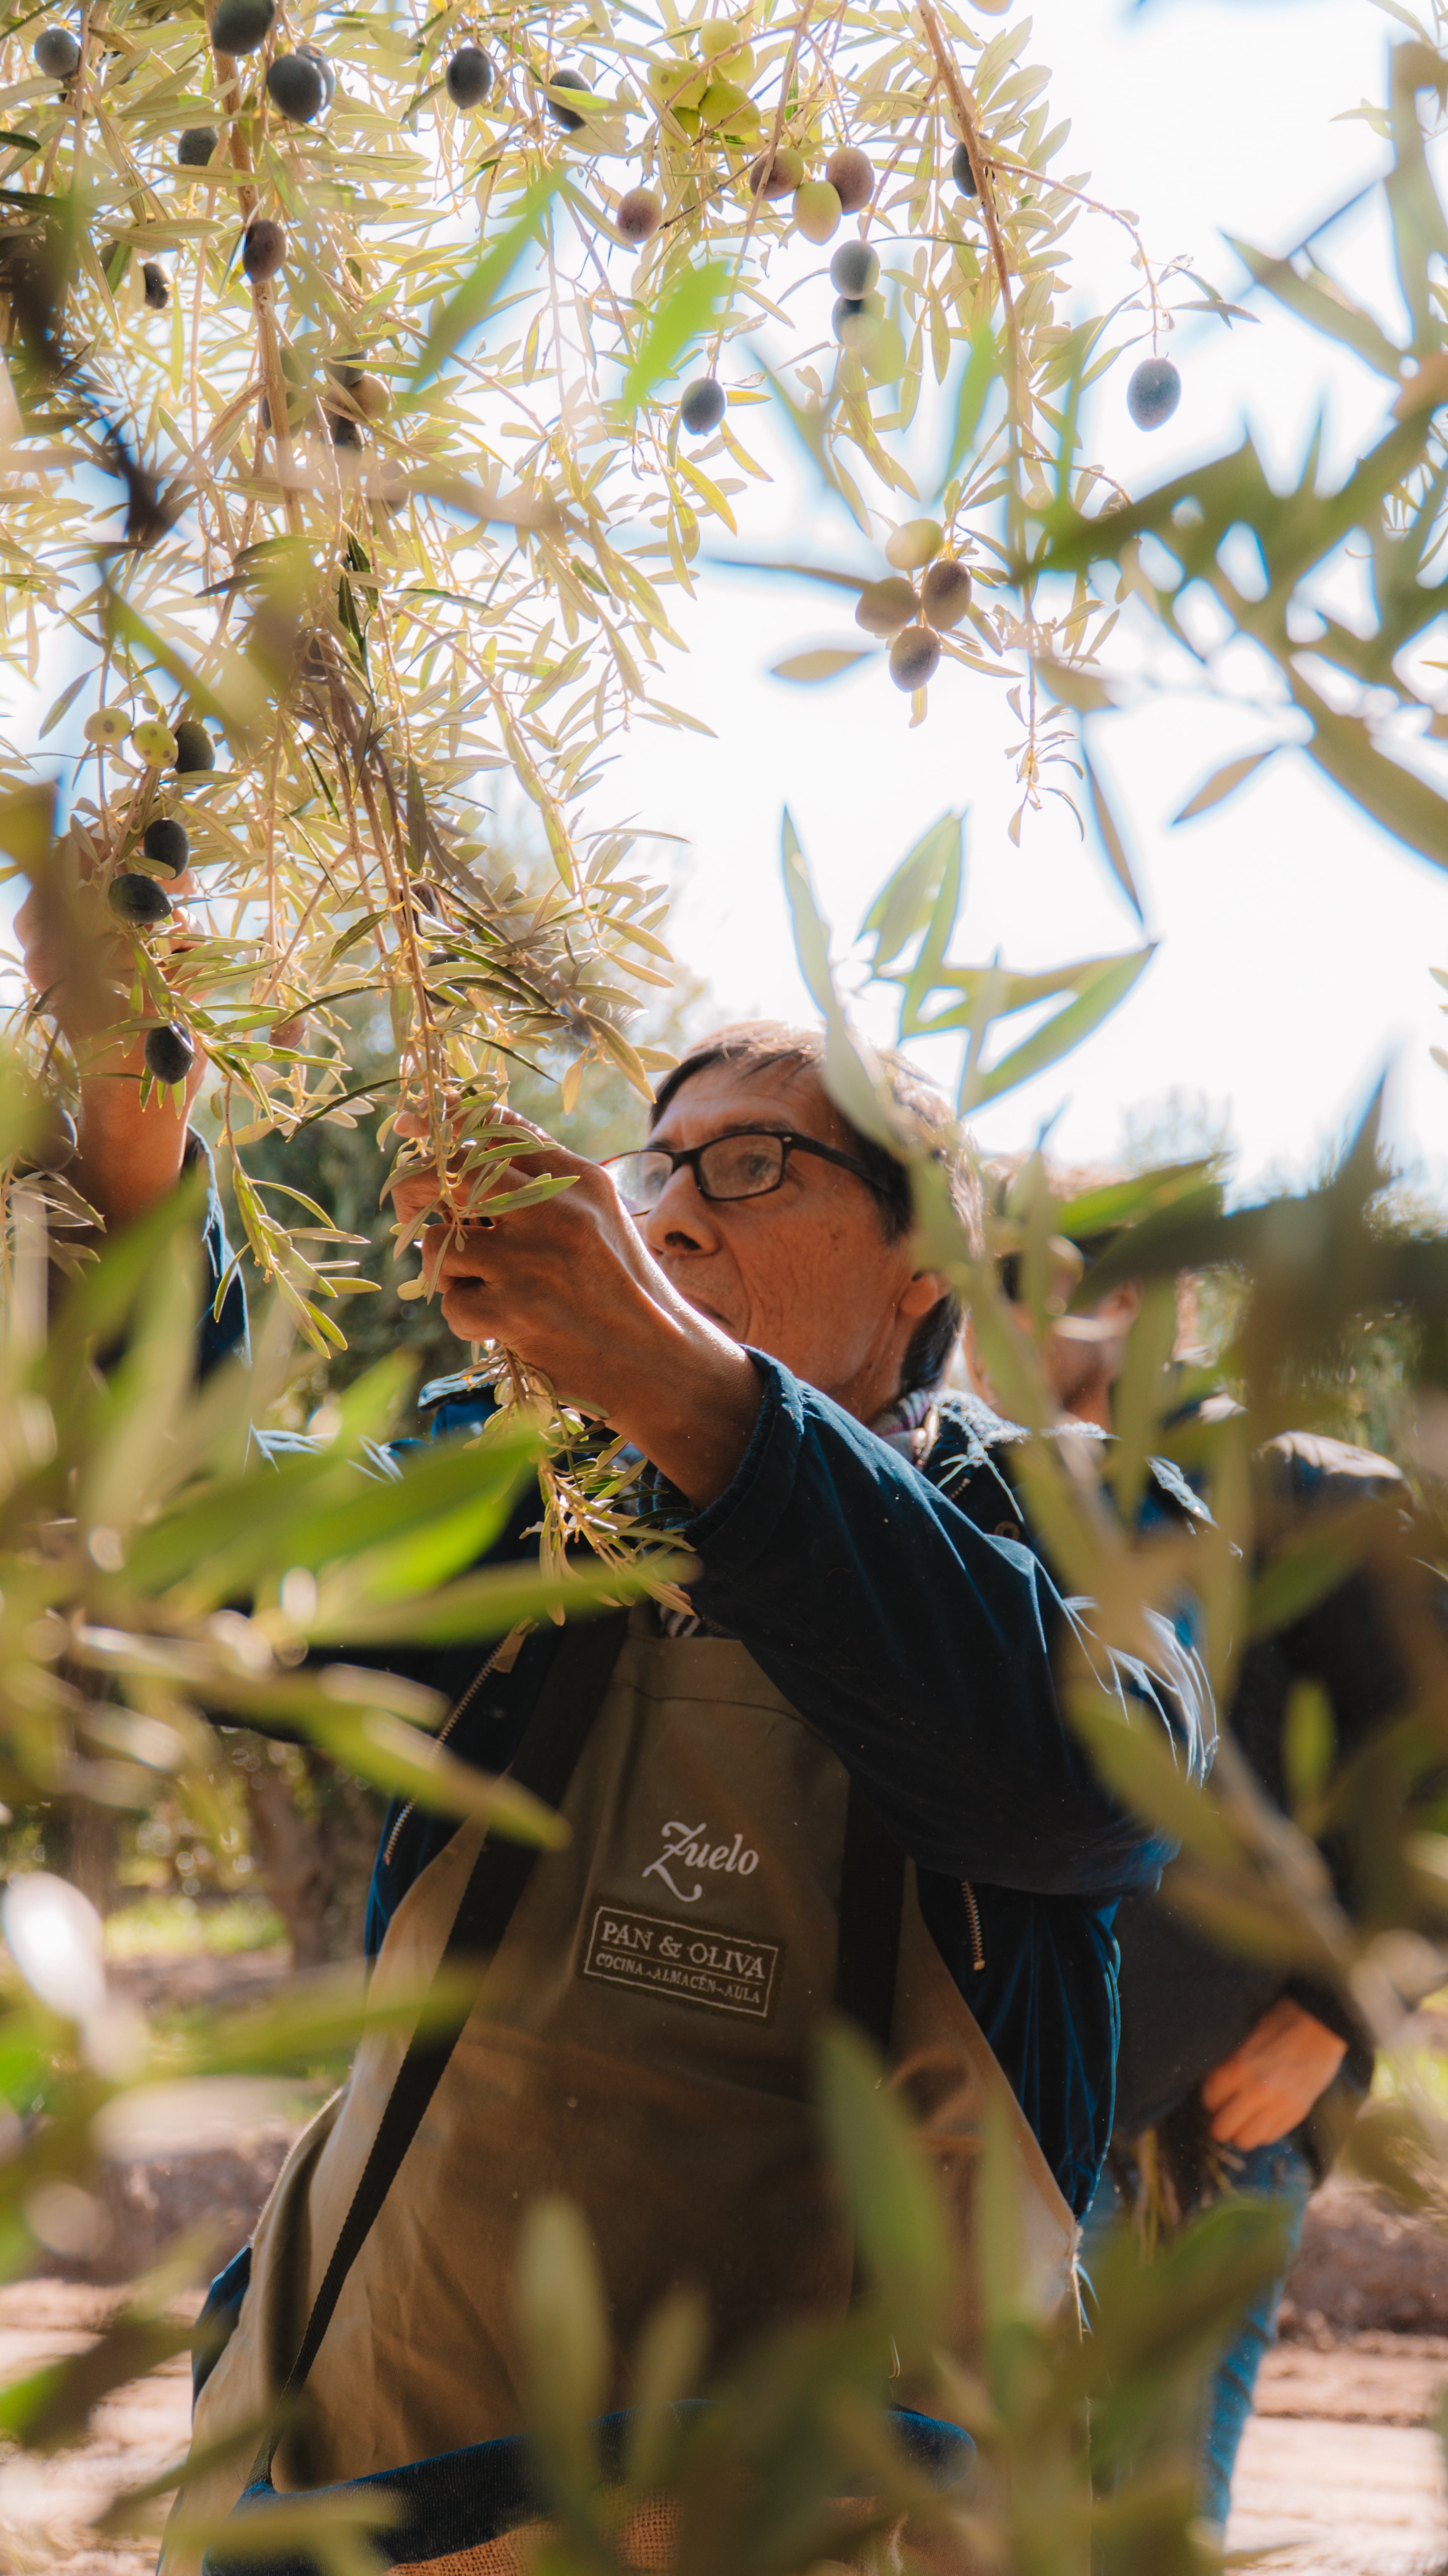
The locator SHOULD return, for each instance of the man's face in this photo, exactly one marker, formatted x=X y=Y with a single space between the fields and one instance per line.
x=804 y=1273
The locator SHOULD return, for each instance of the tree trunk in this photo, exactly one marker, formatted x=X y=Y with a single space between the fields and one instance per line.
x=89 y=1850
x=313 y=1835
x=287 y=1850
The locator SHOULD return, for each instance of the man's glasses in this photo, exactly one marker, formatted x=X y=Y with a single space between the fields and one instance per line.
x=746 y=1164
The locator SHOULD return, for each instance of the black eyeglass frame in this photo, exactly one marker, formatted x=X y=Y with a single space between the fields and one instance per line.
x=792 y=1144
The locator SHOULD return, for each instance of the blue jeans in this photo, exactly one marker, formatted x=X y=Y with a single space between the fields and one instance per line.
x=1277 y=2172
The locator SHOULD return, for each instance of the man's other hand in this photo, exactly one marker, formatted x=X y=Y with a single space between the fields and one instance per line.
x=1270 y=2083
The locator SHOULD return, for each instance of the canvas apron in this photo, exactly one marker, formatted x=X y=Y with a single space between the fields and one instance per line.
x=643 y=2045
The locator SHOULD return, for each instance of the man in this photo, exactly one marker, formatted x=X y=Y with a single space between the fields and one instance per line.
x=1242 y=2072
x=866 y=1676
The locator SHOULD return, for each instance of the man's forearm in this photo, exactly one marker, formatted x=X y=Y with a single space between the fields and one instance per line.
x=129 y=1156
x=690 y=1404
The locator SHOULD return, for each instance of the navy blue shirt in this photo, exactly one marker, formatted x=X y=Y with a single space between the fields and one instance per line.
x=918 y=1641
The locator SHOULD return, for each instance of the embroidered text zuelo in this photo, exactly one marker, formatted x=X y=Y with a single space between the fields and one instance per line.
x=687 y=1847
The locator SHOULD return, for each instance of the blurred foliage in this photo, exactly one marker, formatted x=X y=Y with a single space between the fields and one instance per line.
x=342 y=1164
x=397 y=510
x=1336 y=581
x=154 y=1565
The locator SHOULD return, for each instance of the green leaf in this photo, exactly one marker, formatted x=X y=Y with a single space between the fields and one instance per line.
x=1309 y=1742
x=851 y=1076
x=67 y=697
x=404 y=1763
x=52 y=2407
x=474 y=299
x=899 y=2226
x=490 y=1604
x=1082 y=689
x=1299 y=1577
x=981 y=369
x=1223 y=781
x=811 y=938
x=685 y=314
x=1099 y=987
x=825 y=662
x=907 y=900
x=1344 y=750
x=123 y=624
x=1136 y=1760
x=1324 y=306
x=1107 y=826
x=564 y=2328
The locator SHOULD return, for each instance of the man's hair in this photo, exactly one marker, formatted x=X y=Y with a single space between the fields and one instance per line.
x=926 y=1118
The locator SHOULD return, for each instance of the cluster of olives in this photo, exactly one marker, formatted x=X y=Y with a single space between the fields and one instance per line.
x=142 y=905
x=185 y=747
x=299 y=85
x=710 y=95
x=913 y=619
x=846 y=188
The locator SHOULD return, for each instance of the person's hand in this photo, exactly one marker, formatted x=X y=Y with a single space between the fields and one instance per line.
x=1270 y=2083
x=570 y=1286
x=129 y=1155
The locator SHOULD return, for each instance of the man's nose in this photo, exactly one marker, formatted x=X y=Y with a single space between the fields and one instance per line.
x=680 y=1219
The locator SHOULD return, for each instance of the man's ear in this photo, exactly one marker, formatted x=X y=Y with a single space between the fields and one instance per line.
x=923 y=1291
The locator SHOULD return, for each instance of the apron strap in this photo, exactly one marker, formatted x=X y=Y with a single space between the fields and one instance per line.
x=872 y=1892
x=555 y=1735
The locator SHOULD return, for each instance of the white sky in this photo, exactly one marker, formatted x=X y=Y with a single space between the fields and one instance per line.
x=1295 y=938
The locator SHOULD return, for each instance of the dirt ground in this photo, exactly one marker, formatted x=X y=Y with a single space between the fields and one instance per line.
x=1341 y=2472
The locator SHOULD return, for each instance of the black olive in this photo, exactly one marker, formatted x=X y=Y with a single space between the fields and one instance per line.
x=854 y=269
x=561 y=115
x=241 y=26
x=1153 y=393
x=56 y=53
x=194 y=147
x=296 y=85
x=170 y=1054
x=469 y=76
x=263 y=249
x=194 y=746
x=945 y=592
x=138 y=900
x=702 y=407
x=913 y=657
x=167 y=844
x=961 y=171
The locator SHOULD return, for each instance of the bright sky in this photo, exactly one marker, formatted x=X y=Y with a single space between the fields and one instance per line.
x=1295 y=938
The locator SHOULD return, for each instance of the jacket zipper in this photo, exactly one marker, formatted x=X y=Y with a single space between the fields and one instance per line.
x=973 y=1917
x=441 y=1737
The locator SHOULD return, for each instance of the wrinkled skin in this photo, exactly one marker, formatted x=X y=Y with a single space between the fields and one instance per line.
x=642 y=1322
